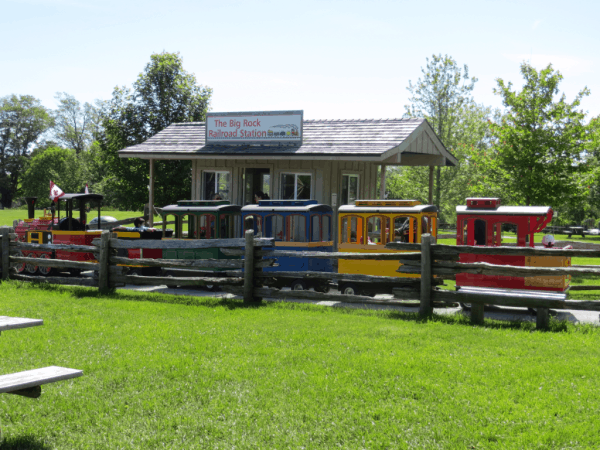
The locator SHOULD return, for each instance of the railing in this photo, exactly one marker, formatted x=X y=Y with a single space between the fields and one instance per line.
x=245 y=277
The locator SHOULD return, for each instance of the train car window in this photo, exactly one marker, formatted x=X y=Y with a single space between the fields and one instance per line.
x=252 y=222
x=463 y=228
x=504 y=230
x=226 y=227
x=405 y=229
x=188 y=225
x=274 y=227
x=207 y=226
x=374 y=230
x=326 y=228
x=352 y=230
x=315 y=228
x=480 y=232
x=296 y=228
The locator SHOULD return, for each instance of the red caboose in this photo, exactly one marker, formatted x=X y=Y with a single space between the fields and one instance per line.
x=482 y=222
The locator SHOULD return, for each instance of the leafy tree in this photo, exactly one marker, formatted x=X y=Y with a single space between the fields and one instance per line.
x=443 y=97
x=22 y=121
x=76 y=126
x=439 y=97
x=163 y=94
x=541 y=141
x=57 y=164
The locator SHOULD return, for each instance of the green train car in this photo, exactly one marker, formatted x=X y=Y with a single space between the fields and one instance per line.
x=200 y=219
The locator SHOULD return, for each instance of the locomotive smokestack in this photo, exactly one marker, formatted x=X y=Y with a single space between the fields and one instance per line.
x=31 y=206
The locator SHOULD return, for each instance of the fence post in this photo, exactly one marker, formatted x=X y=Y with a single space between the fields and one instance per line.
x=103 y=260
x=249 y=267
x=425 y=308
x=477 y=313
x=542 y=319
x=6 y=251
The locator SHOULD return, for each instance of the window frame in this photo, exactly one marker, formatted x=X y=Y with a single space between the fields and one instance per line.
x=296 y=175
x=216 y=172
x=349 y=175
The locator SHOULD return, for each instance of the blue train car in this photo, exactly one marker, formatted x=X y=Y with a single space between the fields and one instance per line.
x=296 y=225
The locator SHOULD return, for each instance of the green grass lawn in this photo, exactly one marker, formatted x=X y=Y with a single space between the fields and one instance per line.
x=185 y=372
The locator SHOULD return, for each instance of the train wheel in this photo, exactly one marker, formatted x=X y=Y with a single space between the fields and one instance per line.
x=349 y=289
x=30 y=268
x=45 y=271
x=20 y=266
x=324 y=288
x=298 y=285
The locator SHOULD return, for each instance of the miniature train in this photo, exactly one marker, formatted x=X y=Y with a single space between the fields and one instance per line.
x=306 y=225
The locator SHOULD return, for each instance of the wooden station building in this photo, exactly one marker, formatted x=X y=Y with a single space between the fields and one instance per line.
x=332 y=161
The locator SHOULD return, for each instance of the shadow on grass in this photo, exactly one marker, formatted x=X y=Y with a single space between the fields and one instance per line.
x=460 y=318
x=27 y=442
x=141 y=296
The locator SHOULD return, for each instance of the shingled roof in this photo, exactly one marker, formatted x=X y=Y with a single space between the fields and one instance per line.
x=383 y=140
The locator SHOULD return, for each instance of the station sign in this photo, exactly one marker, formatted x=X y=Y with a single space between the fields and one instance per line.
x=273 y=127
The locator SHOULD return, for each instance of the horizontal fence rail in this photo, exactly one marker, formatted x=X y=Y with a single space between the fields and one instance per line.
x=244 y=275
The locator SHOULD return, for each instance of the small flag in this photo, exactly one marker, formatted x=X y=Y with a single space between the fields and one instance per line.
x=86 y=189
x=55 y=192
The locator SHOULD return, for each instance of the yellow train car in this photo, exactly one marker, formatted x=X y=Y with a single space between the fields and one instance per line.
x=368 y=225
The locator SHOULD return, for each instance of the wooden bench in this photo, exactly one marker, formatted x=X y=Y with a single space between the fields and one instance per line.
x=29 y=382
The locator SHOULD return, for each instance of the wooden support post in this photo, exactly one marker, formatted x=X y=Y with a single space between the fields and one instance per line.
x=249 y=267
x=103 y=261
x=477 y=313
x=425 y=308
x=5 y=251
x=431 y=185
x=542 y=319
x=382 y=183
x=151 y=195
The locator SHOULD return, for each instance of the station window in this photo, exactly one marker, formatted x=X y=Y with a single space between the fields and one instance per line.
x=296 y=228
x=296 y=186
x=274 y=227
x=352 y=230
x=216 y=182
x=349 y=189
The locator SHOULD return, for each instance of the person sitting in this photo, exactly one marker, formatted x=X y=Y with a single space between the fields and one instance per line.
x=217 y=196
x=138 y=225
x=260 y=195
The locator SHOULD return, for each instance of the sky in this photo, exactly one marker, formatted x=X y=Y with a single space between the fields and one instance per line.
x=331 y=59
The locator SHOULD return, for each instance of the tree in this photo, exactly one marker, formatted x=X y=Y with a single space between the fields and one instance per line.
x=443 y=97
x=439 y=97
x=163 y=94
x=76 y=126
x=60 y=165
x=541 y=141
x=22 y=121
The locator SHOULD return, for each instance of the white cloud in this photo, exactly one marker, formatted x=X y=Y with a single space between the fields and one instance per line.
x=568 y=65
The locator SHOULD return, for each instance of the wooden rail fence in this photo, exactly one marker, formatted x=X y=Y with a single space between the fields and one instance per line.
x=245 y=277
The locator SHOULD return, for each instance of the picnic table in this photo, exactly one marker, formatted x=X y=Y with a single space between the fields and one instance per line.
x=28 y=383
x=575 y=230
